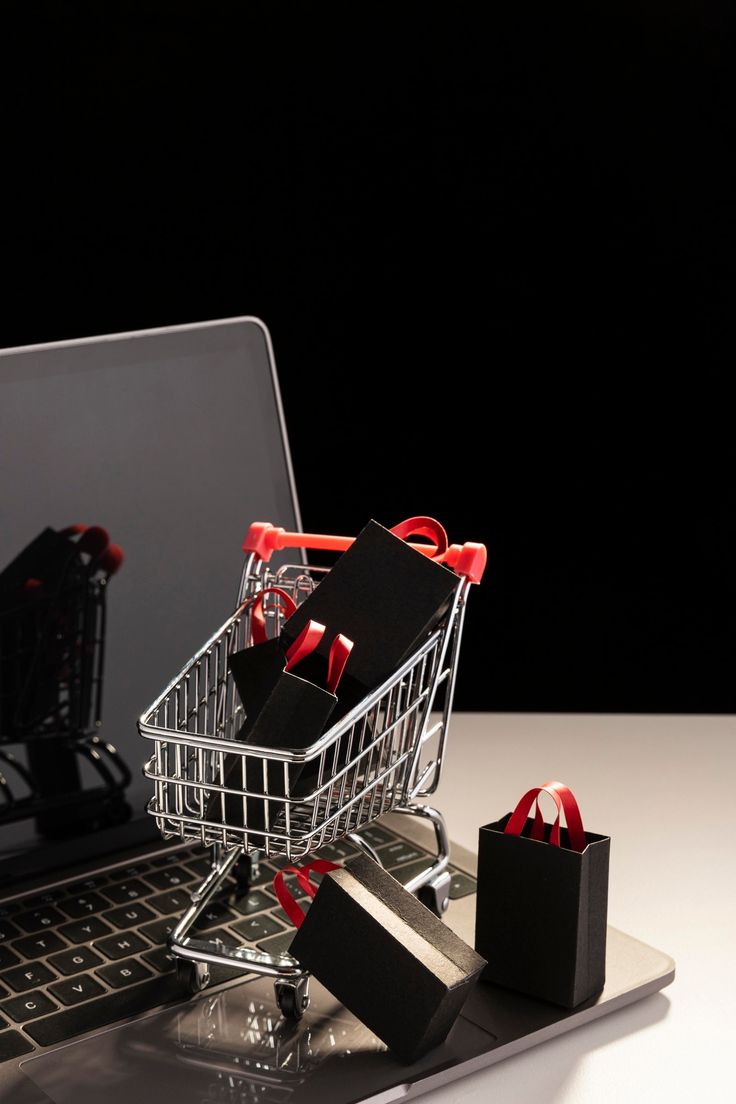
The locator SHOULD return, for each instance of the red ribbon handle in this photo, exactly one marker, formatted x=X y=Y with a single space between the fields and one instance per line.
x=564 y=799
x=294 y=911
x=287 y=606
x=305 y=643
x=340 y=651
x=308 y=640
x=424 y=527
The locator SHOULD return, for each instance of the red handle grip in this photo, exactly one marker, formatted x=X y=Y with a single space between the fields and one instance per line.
x=468 y=560
x=564 y=799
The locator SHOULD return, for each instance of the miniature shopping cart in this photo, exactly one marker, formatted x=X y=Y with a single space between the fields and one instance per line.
x=380 y=757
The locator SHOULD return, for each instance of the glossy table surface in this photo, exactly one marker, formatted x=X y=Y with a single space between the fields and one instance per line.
x=663 y=788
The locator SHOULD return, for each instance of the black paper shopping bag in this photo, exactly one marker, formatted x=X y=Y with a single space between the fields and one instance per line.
x=283 y=710
x=385 y=956
x=384 y=594
x=542 y=902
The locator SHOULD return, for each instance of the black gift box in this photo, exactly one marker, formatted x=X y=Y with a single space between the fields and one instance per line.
x=386 y=957
x=384 y=595
x=541 y=913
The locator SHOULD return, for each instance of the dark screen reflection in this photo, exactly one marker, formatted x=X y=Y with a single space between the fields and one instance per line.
x=55 y=765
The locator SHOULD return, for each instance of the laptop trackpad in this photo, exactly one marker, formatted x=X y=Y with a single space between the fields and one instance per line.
x=234 y=1047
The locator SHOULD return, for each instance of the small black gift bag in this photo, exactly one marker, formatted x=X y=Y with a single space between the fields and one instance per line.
x=542 y=902
x=283 y=710
x=385 y=956
x=385 y=594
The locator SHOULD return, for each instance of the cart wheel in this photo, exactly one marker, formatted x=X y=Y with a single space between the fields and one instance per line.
x=192 y=976
x=436 y=894
x=292 y=997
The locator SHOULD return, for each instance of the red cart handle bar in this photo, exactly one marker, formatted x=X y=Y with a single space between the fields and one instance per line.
x=263 y=539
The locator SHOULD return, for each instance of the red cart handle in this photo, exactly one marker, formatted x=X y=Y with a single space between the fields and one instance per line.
x=564 y=799
x=468 y=560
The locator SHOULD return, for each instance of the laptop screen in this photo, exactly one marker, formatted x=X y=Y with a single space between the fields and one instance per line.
x=173 y=442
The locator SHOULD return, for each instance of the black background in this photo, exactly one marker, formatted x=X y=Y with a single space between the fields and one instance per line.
x=495 y=250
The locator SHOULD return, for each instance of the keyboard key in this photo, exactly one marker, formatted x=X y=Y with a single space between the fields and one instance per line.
x=79 y=958
x=74 y=990
x=7 y=958
x=122 y=892
x=172 y=858
x=161 y=960
x=266 y=872
x=377 y=836
x=277 y=944
x=256 y=928
x=28 y=976
x=125 y=873
x=35 y=946
x=462 y=885
x=176 y=901
x=213 y=916
x=28 y=1007
x=7 y=931
x=129 y=916
x=4 y=992
x=398 y=853
x=169 y=877
x=160 y=930
x=38 y=919
x=87 y=885
x=405 y=873
x=8 y=909
x=200 y=868
x=119 y=974
x=81 y=931
x=338 y=851
x=105 y=1010
x=255 y=901
x=83 y=905
x=50 y=897
x=12 y=1045
x=119 y=946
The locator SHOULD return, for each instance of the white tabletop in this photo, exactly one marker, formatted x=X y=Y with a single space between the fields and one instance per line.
x=663 y=788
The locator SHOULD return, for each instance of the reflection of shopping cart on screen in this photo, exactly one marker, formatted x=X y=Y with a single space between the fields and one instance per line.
x=381 y=757
x=52 y=638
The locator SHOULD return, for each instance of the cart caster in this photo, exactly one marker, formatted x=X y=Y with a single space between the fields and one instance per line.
x=436 y=894
x=245 y=869
x=292 y=997
x=192 y=976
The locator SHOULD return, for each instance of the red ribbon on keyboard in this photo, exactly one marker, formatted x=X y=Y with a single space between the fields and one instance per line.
x=294 y=911
x=564 y=799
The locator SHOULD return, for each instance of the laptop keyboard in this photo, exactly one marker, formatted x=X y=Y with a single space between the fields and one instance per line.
x=88 y=954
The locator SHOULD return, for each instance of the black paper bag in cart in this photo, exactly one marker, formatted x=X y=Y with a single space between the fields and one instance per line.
x=542 y=901
x=384 y=594
x=284 y=711
x=384 y=955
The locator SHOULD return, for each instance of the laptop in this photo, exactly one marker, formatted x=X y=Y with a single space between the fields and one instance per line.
x=171 y=441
